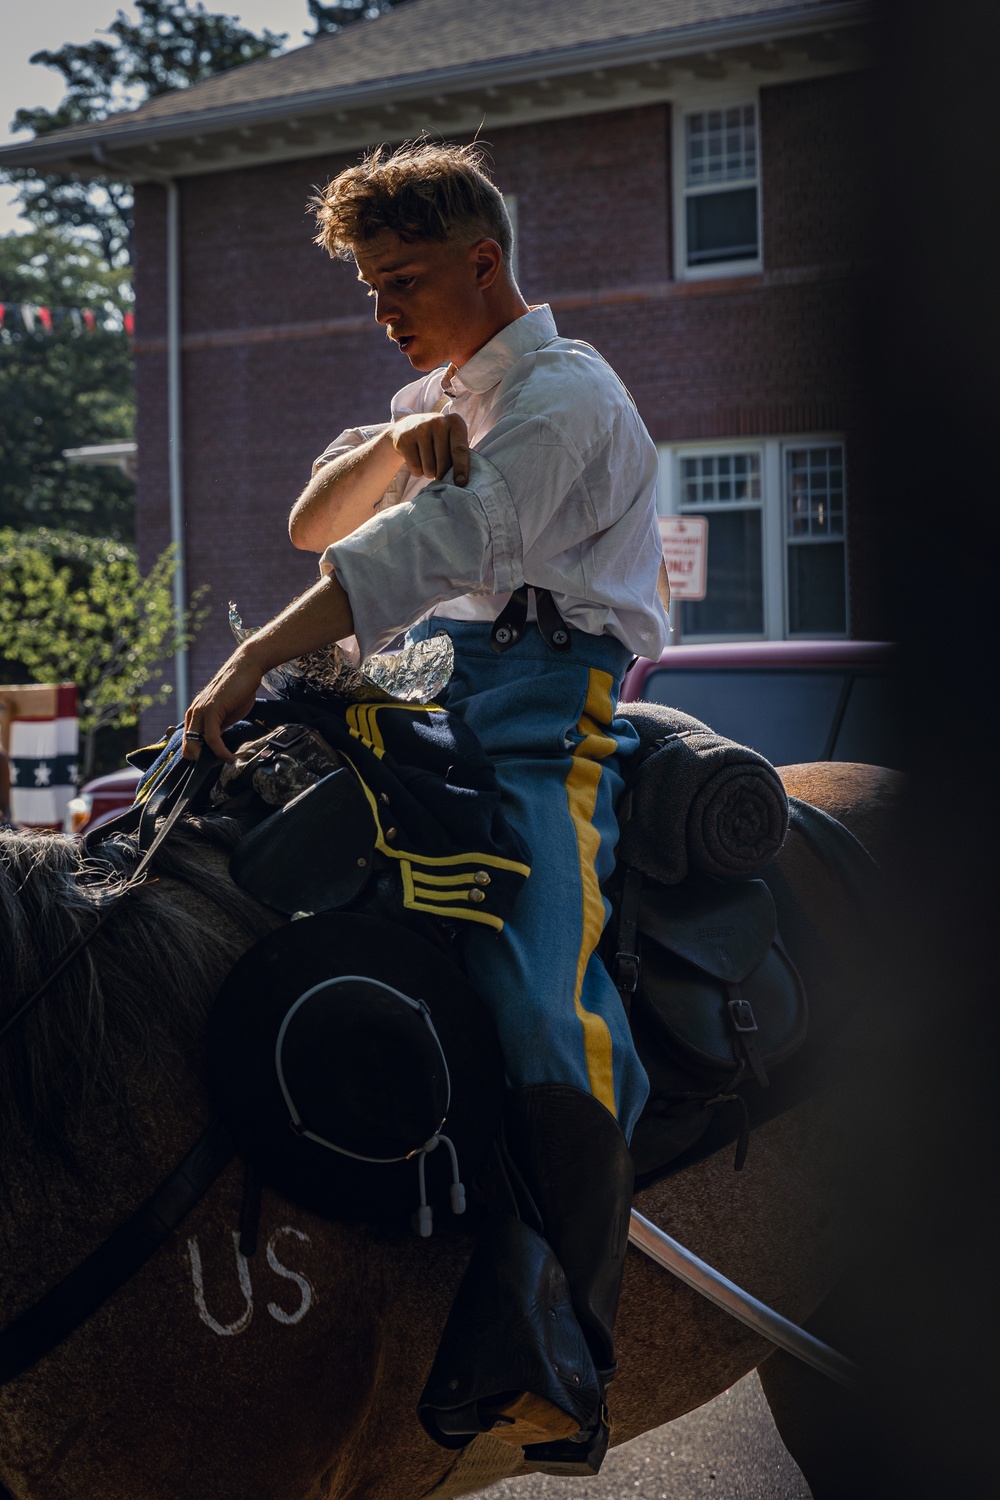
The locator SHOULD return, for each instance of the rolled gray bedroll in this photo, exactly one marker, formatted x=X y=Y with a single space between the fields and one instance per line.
x=699 y=804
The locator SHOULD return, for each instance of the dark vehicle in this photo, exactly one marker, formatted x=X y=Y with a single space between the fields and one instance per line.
x=791 y=700
x=100 y=800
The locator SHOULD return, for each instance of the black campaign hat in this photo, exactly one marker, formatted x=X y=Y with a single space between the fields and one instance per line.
x=355 y=1064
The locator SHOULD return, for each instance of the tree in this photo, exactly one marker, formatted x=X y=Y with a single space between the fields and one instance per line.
x=64 y=388
x=170 y=46
x=75 y=608
x=336 y=17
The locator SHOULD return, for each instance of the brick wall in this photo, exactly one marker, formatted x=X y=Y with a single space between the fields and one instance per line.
x=716 y=359
x=817 y=171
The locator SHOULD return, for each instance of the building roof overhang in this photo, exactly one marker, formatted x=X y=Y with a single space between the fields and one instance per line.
x=585 y=78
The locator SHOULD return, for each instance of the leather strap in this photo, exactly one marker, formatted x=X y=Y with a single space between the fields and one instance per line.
x=745 y=1025
x=509 y=625
x=625 y=972
x=551 y=624
x=64 y=1307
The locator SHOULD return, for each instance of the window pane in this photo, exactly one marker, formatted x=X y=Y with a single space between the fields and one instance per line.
x=722 y=226
x=719 y=477
x=787 y=716
x=721 y=145
x=817 y=592
x=814 y=489
x=873 y=726
x=734 y=598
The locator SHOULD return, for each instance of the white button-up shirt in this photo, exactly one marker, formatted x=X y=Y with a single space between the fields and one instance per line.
x=561 y=495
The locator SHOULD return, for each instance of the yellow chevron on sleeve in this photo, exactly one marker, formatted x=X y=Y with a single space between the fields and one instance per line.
x=429 y=901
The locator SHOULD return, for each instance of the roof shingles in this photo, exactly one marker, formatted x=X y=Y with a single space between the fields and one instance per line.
x=425 y=36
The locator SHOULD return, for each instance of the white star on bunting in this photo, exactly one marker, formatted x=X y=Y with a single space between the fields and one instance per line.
x=43 y=774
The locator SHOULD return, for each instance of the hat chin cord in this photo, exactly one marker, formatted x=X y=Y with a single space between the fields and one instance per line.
x=423 y=1219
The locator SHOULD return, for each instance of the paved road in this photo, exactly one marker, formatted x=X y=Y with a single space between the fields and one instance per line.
x=728 y=1450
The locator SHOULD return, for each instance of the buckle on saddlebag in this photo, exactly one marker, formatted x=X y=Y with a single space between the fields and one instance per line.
x=626 y=972
x=744 y=1019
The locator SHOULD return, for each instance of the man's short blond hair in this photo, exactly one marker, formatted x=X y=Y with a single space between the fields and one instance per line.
x=421 y=191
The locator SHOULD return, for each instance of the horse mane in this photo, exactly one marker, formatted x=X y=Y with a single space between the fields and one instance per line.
x=136 y=998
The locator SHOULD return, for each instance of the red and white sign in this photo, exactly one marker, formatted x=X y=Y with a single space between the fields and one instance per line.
x=685 y=552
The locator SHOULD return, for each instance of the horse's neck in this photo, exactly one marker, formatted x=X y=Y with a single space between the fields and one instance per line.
x=55 y=1211
x=63 y=1210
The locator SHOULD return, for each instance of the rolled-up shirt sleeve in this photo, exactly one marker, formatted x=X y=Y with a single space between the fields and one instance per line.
x=351 y=437
x=444 y=543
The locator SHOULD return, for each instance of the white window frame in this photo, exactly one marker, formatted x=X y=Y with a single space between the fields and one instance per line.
x=694 y=105
x=774 y=539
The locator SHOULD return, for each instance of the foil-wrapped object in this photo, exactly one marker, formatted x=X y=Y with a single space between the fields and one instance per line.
x=416 y=674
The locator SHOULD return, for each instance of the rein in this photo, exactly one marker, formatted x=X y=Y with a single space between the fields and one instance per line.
x=62 y=1309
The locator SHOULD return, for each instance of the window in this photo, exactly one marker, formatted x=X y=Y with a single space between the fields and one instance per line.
x=725 y=487
x=777 y=556
x=717 y=164
x=785 y=715
x=790 y=714
x=814 y=518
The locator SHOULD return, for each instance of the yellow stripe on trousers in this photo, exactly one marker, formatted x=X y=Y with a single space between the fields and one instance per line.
x=581 y=794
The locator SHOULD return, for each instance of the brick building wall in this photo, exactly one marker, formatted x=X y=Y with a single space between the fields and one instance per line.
x=280 y=352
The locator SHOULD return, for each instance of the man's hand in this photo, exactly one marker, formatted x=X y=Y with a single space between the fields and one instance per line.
x=227 y=698
x=431 y=443
x=321 y=614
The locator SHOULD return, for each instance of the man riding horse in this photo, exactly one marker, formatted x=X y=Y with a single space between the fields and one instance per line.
x=515 y=465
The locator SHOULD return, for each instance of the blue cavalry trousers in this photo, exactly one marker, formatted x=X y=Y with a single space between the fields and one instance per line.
x=546 y=719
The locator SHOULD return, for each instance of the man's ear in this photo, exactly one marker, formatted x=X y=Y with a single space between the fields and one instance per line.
x=487 y=257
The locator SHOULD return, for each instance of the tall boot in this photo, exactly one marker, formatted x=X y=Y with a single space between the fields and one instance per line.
x=513 y=1360
x=574 y=1161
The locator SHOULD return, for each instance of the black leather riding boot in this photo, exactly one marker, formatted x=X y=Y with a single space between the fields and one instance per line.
x=513 y=1360
x=528 y=1348
x=574 y=1162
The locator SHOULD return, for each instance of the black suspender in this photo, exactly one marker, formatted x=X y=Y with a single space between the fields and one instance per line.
x=508 y=627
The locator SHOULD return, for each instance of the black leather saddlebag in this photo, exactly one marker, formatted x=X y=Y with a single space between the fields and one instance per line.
x=717 y=1004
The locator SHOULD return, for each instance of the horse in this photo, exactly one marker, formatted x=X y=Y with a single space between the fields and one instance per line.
x=294 y=1374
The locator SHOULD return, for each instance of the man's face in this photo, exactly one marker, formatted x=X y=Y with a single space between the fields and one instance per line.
x=428 y=297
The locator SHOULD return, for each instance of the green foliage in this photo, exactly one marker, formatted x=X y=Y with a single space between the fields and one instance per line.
x=76 y=608
x=335 y=17
x=170 y=46
x=64 y=389
x=59 y=269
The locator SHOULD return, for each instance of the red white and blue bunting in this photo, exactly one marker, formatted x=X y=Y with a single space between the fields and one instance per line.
x=43 y=742
x=23 y=318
